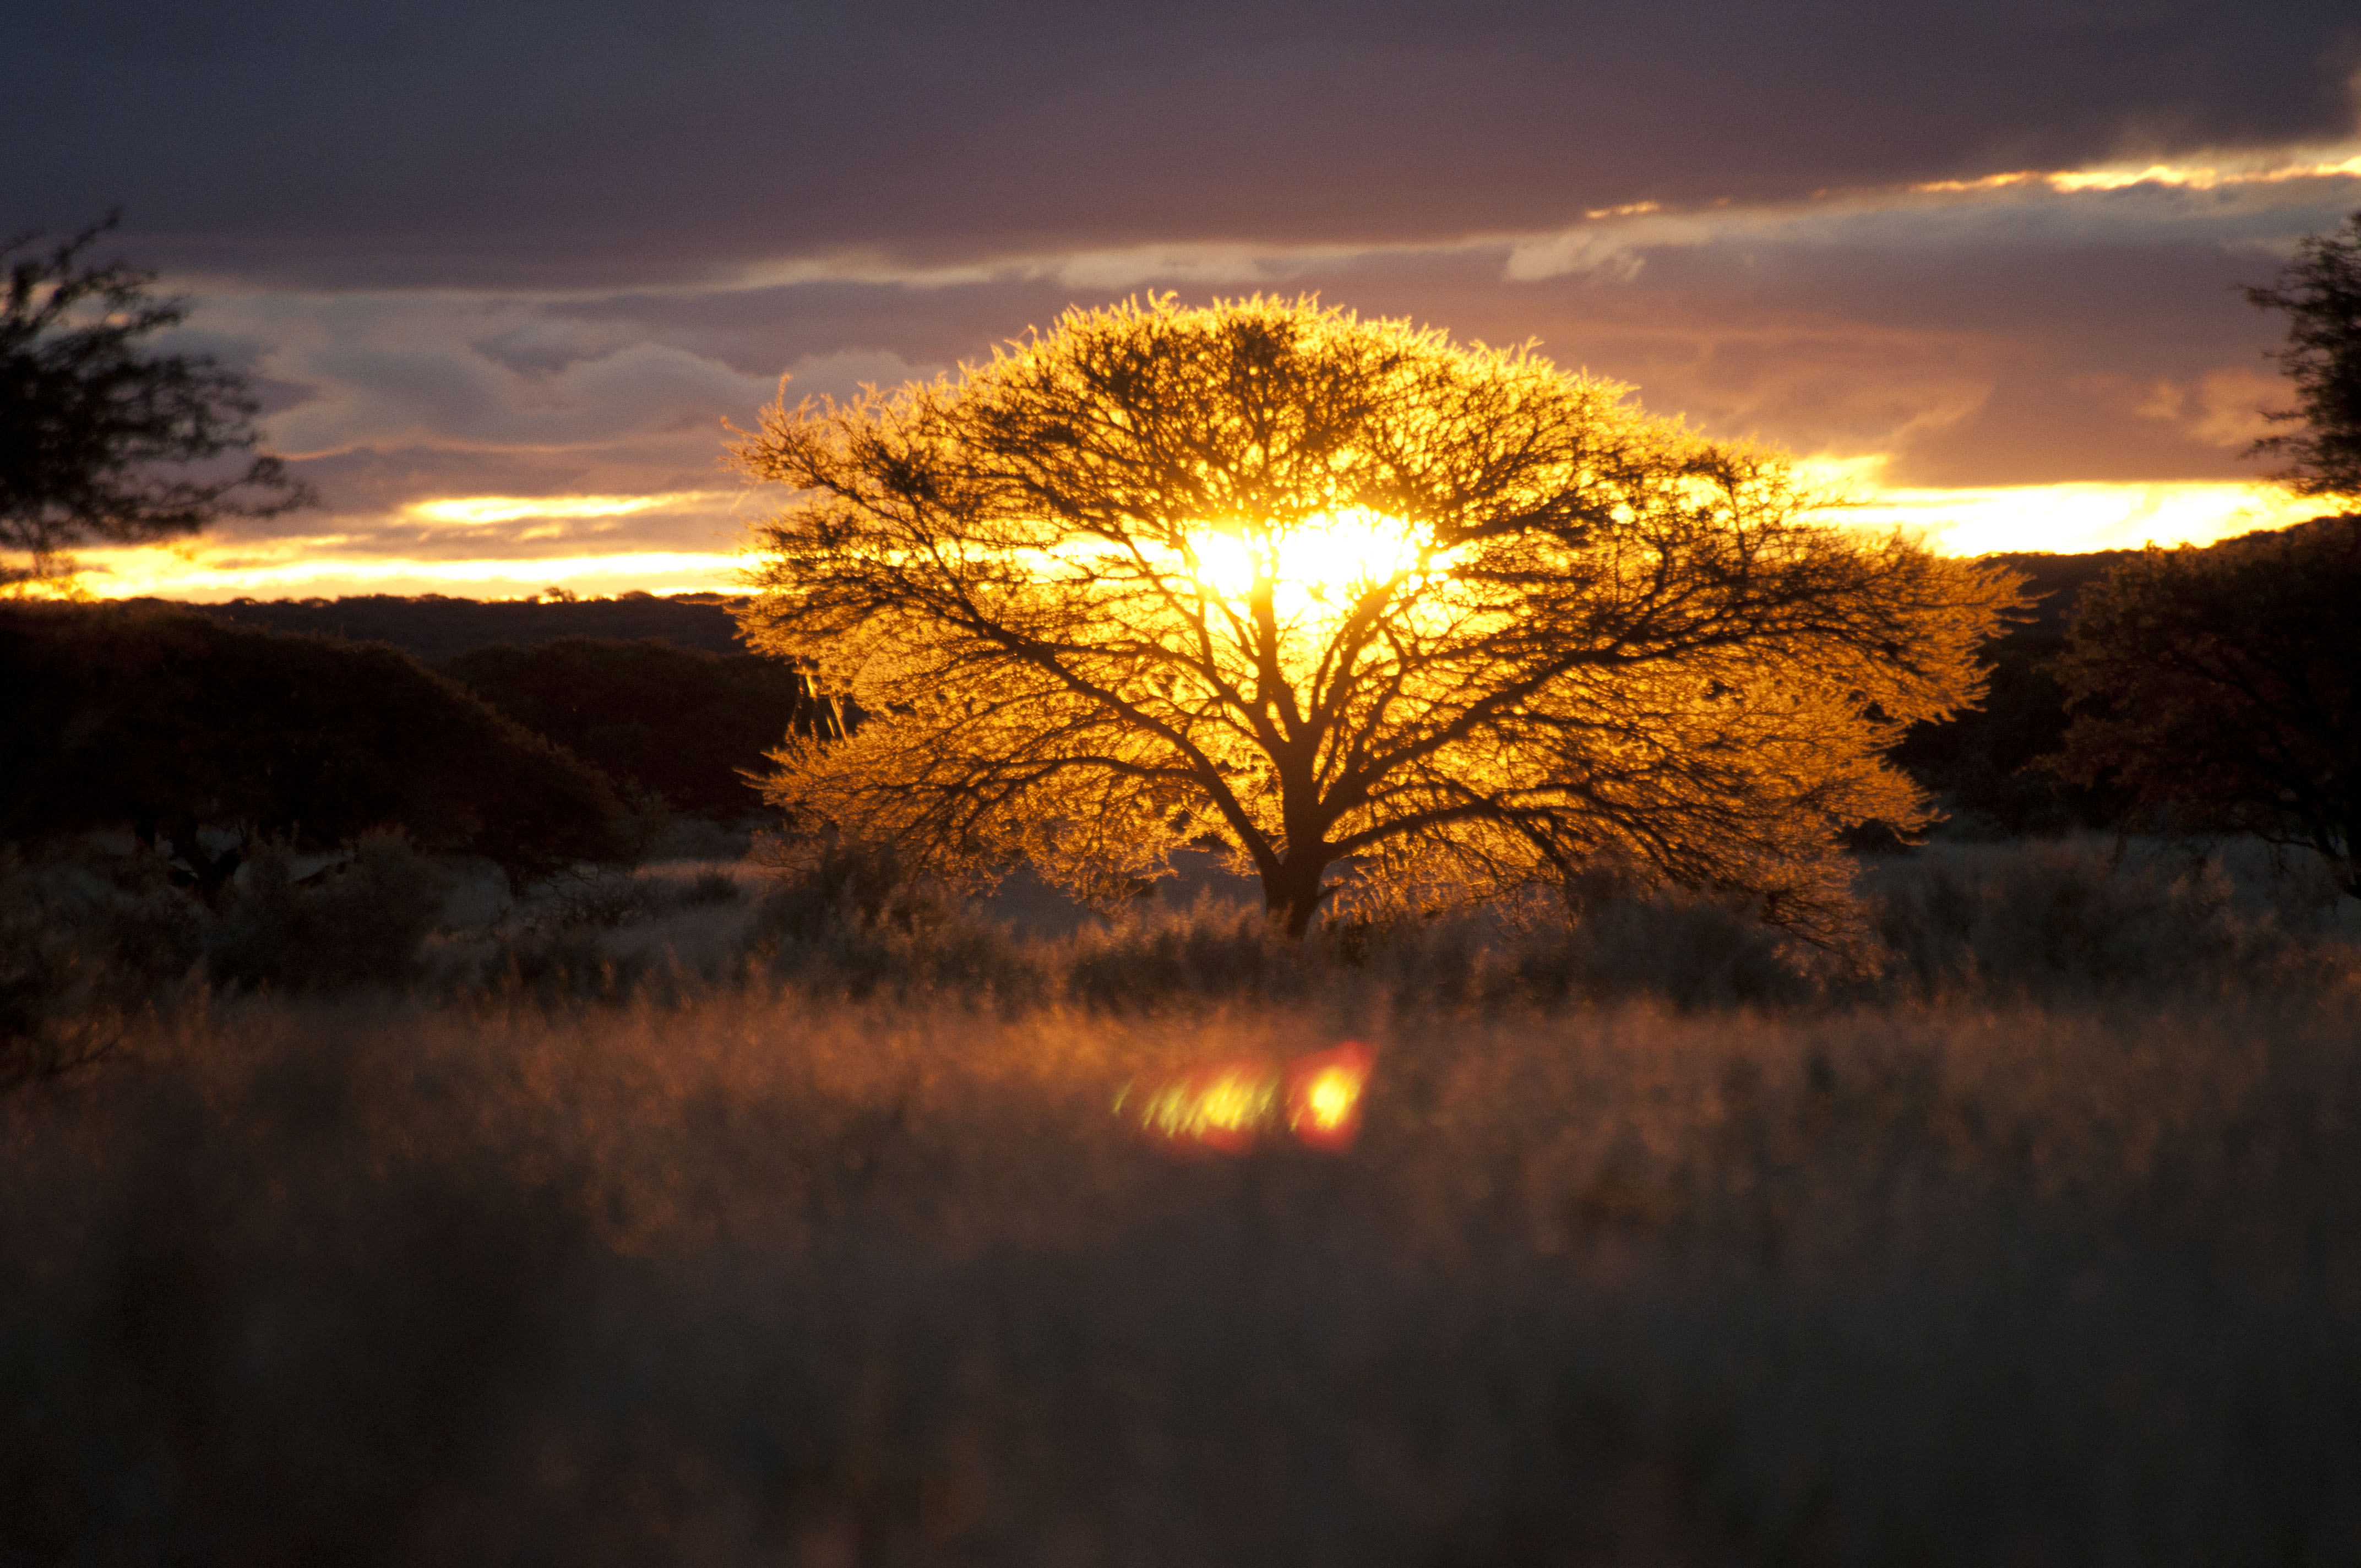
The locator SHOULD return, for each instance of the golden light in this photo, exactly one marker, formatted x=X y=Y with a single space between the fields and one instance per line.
x=326 y=568
x=2273 y=167
x=1337 y=553
x=2071 y=519
x=478 y=511
x=1226 y=1107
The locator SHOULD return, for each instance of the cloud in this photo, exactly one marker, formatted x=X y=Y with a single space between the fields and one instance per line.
x=2223 y=408
x=532 y=145
x=542 y=253
x=2010 y=333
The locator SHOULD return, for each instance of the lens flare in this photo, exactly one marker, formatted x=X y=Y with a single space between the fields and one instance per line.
x=1324 y=1095
x=1227 y=1107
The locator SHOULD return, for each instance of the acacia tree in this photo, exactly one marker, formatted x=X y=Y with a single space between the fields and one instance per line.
x=2320 y=293
x=1329 y=590
x=98 y=433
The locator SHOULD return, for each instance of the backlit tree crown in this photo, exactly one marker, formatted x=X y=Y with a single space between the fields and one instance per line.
x=1331 y=591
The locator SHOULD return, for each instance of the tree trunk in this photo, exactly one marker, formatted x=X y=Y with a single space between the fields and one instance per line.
x=1290 y=896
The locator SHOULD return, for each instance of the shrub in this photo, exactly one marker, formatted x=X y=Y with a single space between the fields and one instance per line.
x=360 y=923
x=85 y=939
x=2069 y=919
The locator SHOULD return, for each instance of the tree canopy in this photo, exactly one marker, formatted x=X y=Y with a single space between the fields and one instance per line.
x=2320 y=293
x=1328 y=590
x=98 y=435
x=2220 y=687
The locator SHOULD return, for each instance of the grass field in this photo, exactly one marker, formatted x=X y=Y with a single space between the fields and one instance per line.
x=681 y=1223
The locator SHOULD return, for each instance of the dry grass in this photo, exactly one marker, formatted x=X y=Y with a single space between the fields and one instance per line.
x=750 y=1276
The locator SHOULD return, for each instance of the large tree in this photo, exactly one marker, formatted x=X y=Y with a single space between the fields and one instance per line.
x=2320 y=293
x=102 y=439
x=2220 y=687
x=1329 y=590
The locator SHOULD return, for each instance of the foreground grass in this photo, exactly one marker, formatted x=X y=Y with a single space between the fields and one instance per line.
x=754 y=1276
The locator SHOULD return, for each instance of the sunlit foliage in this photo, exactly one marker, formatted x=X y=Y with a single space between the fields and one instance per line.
x=1329 y=590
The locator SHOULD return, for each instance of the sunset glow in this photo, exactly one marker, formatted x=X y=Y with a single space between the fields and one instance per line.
x=331 y=568
x=1314 y=564
x=2073 y=518
x=476 y=511
x=2269 y=169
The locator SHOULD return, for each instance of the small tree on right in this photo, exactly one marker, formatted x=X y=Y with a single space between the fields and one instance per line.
x=2220 y=688
x=2320 y=293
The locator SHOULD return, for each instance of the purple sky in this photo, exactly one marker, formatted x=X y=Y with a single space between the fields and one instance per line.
x=541 y=250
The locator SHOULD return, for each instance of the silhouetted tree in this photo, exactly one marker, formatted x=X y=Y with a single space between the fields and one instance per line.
x=97 y=432
x=1327 y=590
x=686 y=727
x=2221 y=688
x=2320 y=293
x=171 y=724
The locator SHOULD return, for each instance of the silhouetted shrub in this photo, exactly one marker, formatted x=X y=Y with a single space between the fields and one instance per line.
x=2062 y=920
x=1147 y=957
x=358 y=923
x=848 y=919
x=1987 y=764
x=212 y=739
x=85 y=939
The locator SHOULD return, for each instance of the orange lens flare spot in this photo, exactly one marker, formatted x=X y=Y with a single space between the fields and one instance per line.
x=1224 y=1108
x=1324 y=1095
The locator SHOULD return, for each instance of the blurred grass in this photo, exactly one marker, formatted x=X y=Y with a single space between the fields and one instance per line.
x=752 y=1280
x=805 y=1235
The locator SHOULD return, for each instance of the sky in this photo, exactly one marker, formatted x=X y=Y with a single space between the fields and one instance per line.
x=500 y=271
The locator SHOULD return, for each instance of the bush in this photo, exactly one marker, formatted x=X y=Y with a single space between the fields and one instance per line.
x=360 y=923
x=2069 y=919
x=846 y=919
x=84 y=940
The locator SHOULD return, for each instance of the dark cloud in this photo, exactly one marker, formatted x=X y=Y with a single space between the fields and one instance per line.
x=2022 y=338
x=543 y=250
x=538 y=145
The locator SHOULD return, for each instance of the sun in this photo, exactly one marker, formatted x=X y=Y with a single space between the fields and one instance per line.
x=1330 y=557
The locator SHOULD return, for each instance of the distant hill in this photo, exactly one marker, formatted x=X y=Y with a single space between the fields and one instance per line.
x=433 y=627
